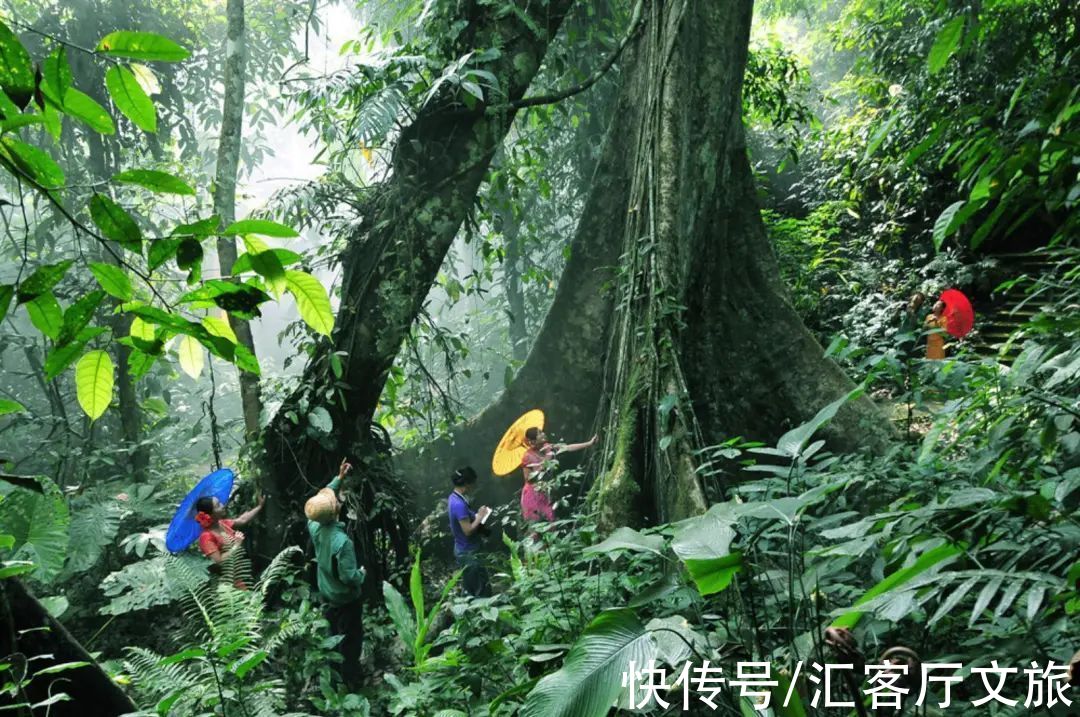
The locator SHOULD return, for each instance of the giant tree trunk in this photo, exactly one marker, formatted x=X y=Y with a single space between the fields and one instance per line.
x=228 y=159
x=707 y=344
x=564 y=370
x=391 y=262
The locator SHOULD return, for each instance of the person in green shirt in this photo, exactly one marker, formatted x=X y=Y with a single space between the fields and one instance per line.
x=339 y=577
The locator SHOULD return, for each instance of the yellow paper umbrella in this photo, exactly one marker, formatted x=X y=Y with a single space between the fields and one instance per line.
x=511 y=448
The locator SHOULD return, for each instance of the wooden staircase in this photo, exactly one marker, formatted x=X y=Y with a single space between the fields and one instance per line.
x=1014 y=306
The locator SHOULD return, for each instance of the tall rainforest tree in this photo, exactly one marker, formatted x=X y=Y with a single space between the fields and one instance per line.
x=228 y=161
x=392 y=259
x=704 y=343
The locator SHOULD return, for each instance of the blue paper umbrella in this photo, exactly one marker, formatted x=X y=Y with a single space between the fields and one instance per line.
x=184 y=530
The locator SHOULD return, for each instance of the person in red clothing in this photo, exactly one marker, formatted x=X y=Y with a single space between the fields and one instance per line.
x=535 y=504
x=219 y=534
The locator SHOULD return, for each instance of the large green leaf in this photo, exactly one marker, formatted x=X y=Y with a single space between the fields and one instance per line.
x=155 y=181
x=627 y=539
x=927 y=560
x=39 y=523
x=94 y=383
x=191 y=356
x=141 y=329
x=219 y=326
x=20 y=121
x=793 y=442
x=312 y=300
x=239 y=299
x=56 y=76
x=945 y=45
x=156 y=581
x=63 y=356
x=16 y=69
x=220 y=347
x=416 y=592
x=198 y=229
x=46 y=315
x=285 y=257
x=400 y=614
x=161 y=250
x=130 y=98
x=78 y=315
x=43 y=279
x=704 y=536
x=266 y=264
x=946 y=224
x=881 y=134
x=712 y=575
x=8 y=406
x=93 y=528
x=183 y=243
x=139 y=363
x=32 y=163
x=261 y=226
x=591 y=677
x=703 y=544
x=245 y=359
x=142 y=46
x=112 y=279
x=81 y=106
x=115 y=223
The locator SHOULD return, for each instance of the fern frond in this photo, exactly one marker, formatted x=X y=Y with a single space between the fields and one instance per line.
x=93 y=528
x=236 y=568
x=377 y=115
x=280 y=567
x=156 y=680
x=157 y=581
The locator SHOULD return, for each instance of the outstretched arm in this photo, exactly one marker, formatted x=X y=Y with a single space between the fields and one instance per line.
x=342 y=470
x=247 y=517
x=571 y=447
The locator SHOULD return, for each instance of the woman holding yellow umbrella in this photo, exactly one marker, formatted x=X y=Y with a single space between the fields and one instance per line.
x=524 y=445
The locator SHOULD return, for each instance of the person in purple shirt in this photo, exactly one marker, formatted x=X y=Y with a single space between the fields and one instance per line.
x=465 y=526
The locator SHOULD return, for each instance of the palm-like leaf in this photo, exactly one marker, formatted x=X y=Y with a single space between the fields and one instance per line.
x=39 y=524
x=590 y=680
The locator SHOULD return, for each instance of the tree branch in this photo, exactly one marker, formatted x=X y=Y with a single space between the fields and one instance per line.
x=635 y=24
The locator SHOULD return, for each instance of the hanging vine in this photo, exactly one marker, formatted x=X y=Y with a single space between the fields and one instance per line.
x=651 y=429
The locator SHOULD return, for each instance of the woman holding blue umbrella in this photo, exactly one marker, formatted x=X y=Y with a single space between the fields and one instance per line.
x=219 y=534
x=201 y=516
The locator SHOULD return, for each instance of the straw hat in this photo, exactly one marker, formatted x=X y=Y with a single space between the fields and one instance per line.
x=322 y=507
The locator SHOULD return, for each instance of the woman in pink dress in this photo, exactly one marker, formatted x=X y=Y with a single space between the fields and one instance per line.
x=535 y=504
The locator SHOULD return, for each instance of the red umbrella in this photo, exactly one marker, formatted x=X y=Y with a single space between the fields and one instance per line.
x=959 y=316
